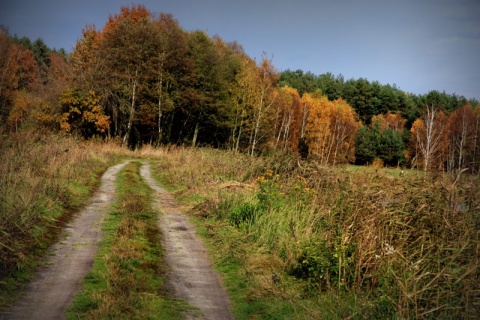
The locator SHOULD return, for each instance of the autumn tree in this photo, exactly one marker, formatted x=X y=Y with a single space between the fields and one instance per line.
x=393 y=121
x=475 y=155
x=19 y=76
x=28 y=71
x=21 y=108
x=428 y=138
x=82 y=113
x=266 y=81
x=461 y=137
x=9 y=66
x=331 y=129
x=130 y=40
x=288 y=119
x=244 y=99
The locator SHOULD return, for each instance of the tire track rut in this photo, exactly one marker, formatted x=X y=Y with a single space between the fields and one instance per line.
x=191 y=275
x=69 y=260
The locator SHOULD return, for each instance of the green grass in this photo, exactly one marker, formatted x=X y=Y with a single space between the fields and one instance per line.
x=309 y=241
x=127 y=277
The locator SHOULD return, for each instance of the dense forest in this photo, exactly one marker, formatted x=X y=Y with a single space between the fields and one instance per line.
x=143 y=79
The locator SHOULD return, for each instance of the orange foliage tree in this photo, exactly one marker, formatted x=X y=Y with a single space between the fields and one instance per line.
x=9 y=73
x=393 y=121
x=461 y=137
x=428 y=139
x=19 y=75
x=288 y=119
x=331 y=129
x=82 y=113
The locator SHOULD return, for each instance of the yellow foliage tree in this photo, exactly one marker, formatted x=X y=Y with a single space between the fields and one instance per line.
x=22 y=106
x=82 y=113
x=331 y=129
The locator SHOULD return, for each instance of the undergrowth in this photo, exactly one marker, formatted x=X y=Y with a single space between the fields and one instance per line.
x=330 y=243
x=43 y=179
x=126 y=280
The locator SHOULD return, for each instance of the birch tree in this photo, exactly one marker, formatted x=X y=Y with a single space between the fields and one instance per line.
x=428 y=137
x=461 y=134
x=267 y=80
x=331 y=129
x=244 y=98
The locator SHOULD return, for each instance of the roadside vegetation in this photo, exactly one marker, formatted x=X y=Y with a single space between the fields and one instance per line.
x=292 y=239
x=302 y=241
x=44 y=178
x=297 y=231
x=127 y=278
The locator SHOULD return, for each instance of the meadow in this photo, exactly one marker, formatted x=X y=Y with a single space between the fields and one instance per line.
x=291 y=239
x=295 y=240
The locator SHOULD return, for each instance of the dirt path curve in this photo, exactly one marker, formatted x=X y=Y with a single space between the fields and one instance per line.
x=69 y=260
x=191 y=275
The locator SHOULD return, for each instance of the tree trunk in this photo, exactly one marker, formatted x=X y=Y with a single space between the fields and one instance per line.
x=132 y=114
x=160 y=111
x=195 y=134
x=257 y=128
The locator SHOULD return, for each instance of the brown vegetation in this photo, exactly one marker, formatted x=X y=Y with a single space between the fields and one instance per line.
x=404 y=245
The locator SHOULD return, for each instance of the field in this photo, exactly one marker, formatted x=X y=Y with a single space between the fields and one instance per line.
x=295 y=240
x=292 y=240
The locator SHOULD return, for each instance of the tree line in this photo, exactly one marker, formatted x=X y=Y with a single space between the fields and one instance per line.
x=143 y=79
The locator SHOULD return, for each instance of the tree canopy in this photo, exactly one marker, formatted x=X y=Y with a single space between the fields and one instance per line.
x=143 y=79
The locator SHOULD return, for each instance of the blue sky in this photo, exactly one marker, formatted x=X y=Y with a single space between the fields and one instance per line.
x=419 y=45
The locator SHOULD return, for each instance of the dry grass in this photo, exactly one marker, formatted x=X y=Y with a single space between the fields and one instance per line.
x=43 y=178
x=296 y=240
x=406 y=245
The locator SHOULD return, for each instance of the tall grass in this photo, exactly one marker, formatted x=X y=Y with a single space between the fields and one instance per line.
x=337 y=242
x=43 y=178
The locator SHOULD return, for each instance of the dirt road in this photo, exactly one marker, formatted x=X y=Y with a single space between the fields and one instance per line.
x=191 y=275
x=69 y=260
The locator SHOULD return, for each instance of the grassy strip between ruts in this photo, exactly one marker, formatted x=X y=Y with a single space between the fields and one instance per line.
x=127 y=277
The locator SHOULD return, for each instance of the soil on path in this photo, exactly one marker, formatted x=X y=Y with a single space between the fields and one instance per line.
x=69 y=260
x=191 y=275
